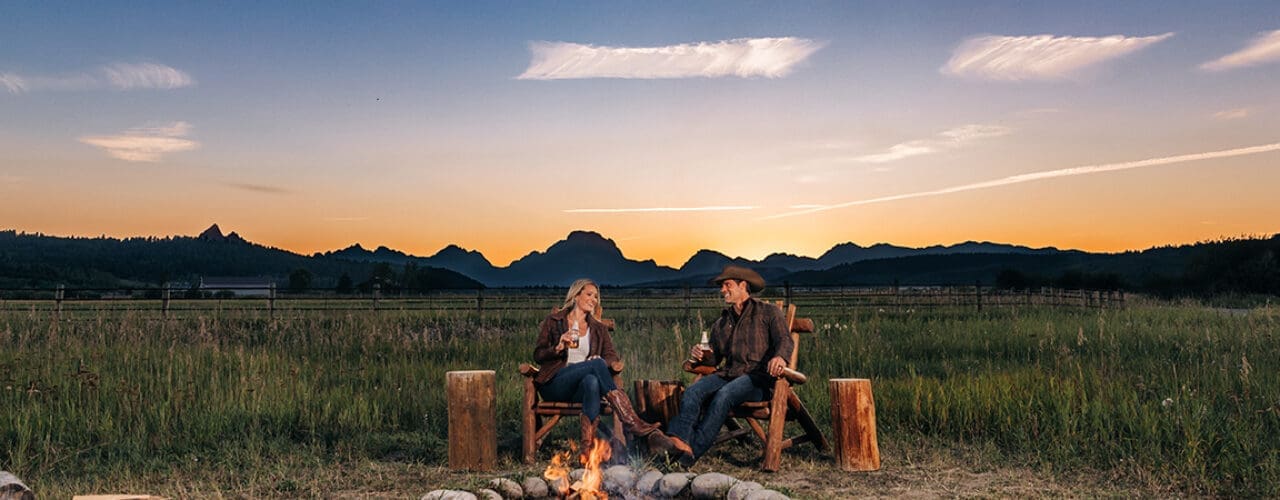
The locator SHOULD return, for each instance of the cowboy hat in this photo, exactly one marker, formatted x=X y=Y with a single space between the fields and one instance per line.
x=755 y=282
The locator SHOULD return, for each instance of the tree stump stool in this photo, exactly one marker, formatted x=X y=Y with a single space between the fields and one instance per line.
x=473 y=416
x=853 y=416
x=658 y=401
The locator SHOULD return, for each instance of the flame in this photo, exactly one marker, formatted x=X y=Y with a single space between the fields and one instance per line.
x=589 y=486
x=557 y=473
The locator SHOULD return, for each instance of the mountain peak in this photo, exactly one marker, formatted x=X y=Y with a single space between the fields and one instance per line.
x=214 y=233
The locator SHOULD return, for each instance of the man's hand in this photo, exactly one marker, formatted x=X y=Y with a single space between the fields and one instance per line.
x=695 y=353
x=776 y=365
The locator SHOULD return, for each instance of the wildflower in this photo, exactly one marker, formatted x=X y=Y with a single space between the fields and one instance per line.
x=1167 y=402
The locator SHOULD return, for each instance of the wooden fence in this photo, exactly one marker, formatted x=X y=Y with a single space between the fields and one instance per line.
x=168 y=301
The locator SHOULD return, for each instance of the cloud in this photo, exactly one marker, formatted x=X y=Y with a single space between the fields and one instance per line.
x=119 y=76
x=145 y=76
x=258 y=188
x=1232 y=114
x=346 y=219
x=145 y=144
x=1264 y=48
x=655 y=209
x=946 y=140
x=1037 y=176
x=742 y=57
x=1039 y=57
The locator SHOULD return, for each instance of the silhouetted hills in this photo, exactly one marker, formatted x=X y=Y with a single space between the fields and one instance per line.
x=36 y=260
x=1225 y=266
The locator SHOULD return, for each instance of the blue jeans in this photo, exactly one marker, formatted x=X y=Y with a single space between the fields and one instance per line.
x=584 y=382
x=723 y=395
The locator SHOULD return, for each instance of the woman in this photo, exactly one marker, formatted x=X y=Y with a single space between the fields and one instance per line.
x=577 y=361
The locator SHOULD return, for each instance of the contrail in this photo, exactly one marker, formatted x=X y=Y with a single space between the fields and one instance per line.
x=655 y=209
x=1066 y=172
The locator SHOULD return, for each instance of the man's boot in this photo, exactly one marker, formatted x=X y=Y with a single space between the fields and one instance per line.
x=622 y=411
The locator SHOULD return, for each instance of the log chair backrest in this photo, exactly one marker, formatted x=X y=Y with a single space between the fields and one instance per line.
x=795 y=334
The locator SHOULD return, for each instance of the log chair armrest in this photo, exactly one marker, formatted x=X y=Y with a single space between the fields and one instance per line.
x=528 y=370
x=616 y=368
x=795 y=377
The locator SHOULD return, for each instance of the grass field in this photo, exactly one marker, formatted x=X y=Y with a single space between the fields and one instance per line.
x=1150 y=394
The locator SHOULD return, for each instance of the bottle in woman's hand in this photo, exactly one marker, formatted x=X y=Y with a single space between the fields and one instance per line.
x=573 y=335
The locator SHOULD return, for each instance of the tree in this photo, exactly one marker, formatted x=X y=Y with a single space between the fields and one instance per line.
x=345 y=286
x=299 y=280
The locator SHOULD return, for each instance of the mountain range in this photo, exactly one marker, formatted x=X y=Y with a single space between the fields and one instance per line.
x=589 y=254
x=1228 y=266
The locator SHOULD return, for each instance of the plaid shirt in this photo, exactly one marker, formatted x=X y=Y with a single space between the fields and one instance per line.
x=746 y=342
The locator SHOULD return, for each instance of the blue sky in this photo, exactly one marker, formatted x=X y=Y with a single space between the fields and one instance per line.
x=668 y=127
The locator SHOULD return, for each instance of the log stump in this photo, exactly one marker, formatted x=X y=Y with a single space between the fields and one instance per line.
x=473 y=416
x=853 y=416
x=658 y=401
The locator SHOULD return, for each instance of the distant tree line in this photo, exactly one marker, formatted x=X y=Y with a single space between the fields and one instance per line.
x=1230 y=266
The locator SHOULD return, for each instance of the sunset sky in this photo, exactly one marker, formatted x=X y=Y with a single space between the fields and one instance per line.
x=743 y=127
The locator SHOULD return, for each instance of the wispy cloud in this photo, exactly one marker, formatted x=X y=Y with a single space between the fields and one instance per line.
x=1264 y=48
x=1232 y=114
x=742 y=57
x=656 y=209
x=145 y=144
x=946 y=140
x=346 y=219
x=258 y=188
x=1039 y=57
x=119 y=76
x=1037 y=176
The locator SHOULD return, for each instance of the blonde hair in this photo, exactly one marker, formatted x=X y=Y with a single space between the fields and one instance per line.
x=575 y=289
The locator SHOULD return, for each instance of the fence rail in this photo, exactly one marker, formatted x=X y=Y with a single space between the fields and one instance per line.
x=168 y=301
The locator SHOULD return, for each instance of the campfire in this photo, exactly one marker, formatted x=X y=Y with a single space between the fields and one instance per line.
x=589 y=486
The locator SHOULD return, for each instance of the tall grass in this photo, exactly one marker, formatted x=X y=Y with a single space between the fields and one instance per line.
x=1186 y=395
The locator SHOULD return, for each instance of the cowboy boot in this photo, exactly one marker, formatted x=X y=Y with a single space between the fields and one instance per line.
x=588 y=436
x=666 y=444
x=622 y=410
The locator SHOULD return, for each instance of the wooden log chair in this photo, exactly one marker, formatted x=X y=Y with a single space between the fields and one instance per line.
x=767 y=419
x=539 y=417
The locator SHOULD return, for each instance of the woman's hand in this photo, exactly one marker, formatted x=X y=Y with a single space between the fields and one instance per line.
x=565 y=339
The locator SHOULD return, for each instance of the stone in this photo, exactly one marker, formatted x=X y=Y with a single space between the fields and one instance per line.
x=575 y=475
x=743 y=489
x=449 y=495
x=535 y=487
x=488 y=494
x=507 y=488
x=711 y=485
x=674 y=484
x=618 y=479
x=648 y=482
x=766 y=495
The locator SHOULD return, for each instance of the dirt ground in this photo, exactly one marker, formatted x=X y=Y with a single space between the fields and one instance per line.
x=911 y=471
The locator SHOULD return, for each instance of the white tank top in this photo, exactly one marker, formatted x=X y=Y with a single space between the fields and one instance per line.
x=584 y=348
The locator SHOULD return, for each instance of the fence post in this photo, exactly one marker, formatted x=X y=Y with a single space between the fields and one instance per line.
x=688 y=300
x=271 y=301
x=786 y=287
x=164 y=300
x=57 y=297
x=479 y=300
x=977 y=294
x=377 y=293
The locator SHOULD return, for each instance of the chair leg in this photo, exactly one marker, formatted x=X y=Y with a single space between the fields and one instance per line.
x=528 y=437
x=777 y=424
x=810 y=427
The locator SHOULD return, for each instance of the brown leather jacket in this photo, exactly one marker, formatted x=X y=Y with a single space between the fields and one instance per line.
x=550 y=361
x=746 y=342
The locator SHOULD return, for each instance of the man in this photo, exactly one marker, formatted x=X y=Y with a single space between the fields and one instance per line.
x=750 y=344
